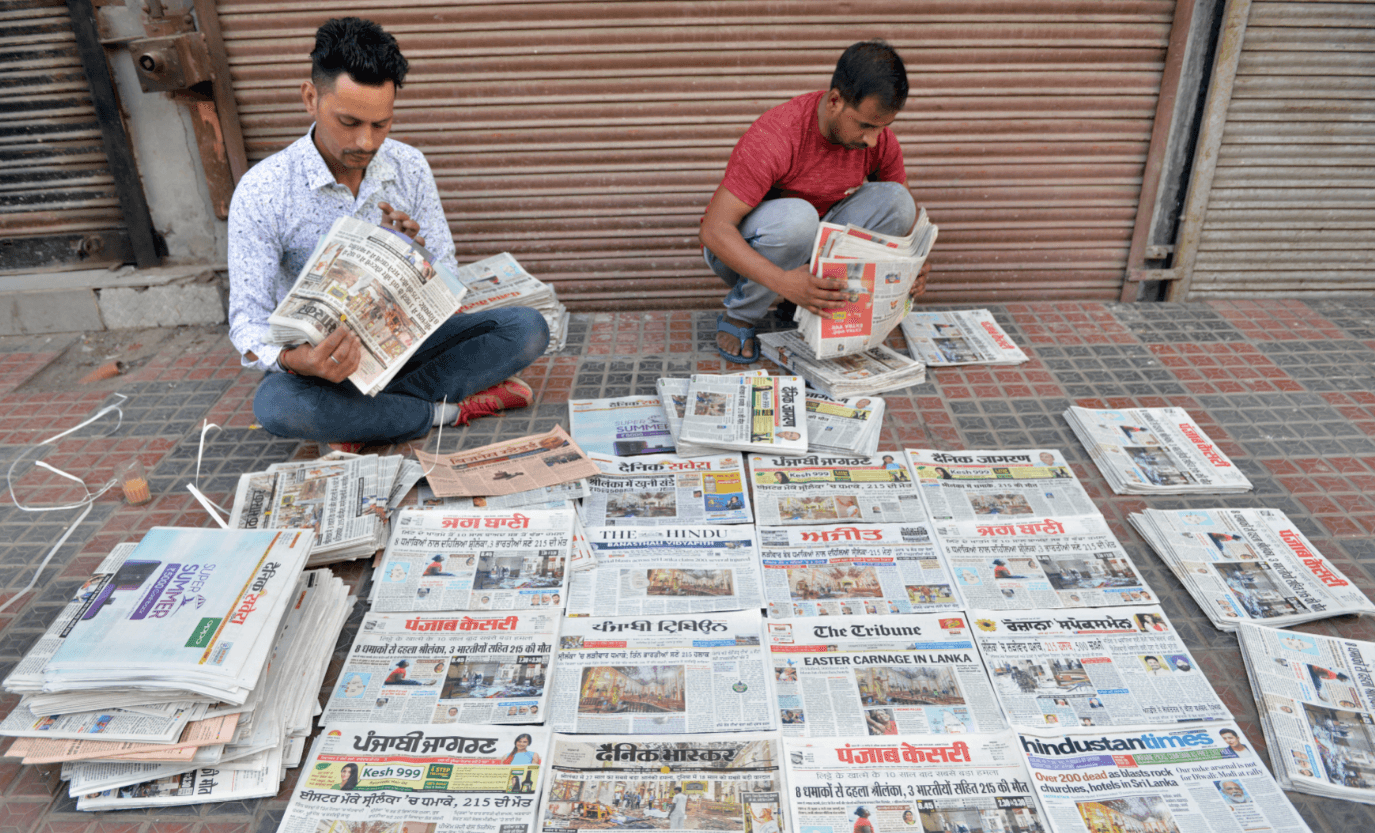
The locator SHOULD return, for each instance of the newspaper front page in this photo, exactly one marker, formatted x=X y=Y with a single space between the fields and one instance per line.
x=549 y=497
x=867 y=675
x=508 y=467
x=1155 y=451
x=620 y=427
x=446 y=668
x=952 y=337
x=818 y=489
x=661 y=675
x=342 y=500
x=747 y=413
x=716 y=783
x=667 y=569
x=989 y=485
x=876 y=370
x=449 y=560
x=852 y=570
x=673 y=393
x=1116 y=666
x=1186 y=780
x=667 y=489
x=923 y=783
x=843 y=426
x=419 y=778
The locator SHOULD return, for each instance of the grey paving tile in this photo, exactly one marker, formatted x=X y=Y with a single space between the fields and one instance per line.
x=1102 y=370
x=1356 y=316
x=1322 y=366
x=1168 y=323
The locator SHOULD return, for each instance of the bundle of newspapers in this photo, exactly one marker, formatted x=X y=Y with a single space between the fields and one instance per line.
x=499 y=281
x=379 y=285
x=1155 y=451
x=746 y=413
x=154 y=623
x=944 y=339
x=878 y=273
x=667 y=489
x=876 y=370
x=843 y=426
x=673 y=393
x=343 y=498
x=1317 y=709
x=1249 y=565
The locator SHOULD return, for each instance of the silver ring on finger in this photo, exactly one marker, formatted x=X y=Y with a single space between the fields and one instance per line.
x=331 y=358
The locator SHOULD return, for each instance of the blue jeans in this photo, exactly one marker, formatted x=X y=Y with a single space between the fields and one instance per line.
x=468 y=353
x=784 y=230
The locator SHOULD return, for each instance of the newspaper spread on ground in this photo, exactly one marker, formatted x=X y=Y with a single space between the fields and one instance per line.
x=446 y=668
x=673 y=393
x=854 y=569
x=385 y=289
x=508 y=467
x=989 y=485
x=667 y=489
x=677 y=570
x=1115 y=666
x=820 y=489
x=669 y=674
x=1316 y=697
x=1249 y=564
x=717 y=783
x=1155 y=451
x=1186 y=780
x=499 y=281
x=876 y=370
x=622 y=427
x=951 y=337
x=747 y=413
x=923 y=783
x=868 y=675
x=419 y=778
x=843 y=426
x=549 y=497
x=477 y=560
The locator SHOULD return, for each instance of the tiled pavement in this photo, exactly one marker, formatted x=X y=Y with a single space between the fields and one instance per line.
x=1286 y=388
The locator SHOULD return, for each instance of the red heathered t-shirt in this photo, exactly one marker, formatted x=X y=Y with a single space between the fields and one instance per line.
x=784 y=155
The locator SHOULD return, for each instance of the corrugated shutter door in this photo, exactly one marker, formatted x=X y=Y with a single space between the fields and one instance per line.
x=587 y=138
x=1292 y=204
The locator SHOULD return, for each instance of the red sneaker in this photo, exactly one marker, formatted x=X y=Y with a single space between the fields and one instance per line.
x=512 y=393
x=347 y=448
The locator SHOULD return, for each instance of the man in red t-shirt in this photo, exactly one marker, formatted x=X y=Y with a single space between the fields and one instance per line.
x=822 y=156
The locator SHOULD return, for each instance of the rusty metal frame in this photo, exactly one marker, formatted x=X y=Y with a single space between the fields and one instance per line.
x=208 y=23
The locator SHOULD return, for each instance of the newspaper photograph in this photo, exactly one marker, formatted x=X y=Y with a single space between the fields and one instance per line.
x=843 y=426
x=508 y=467
x=673 y=570
x=621 y=427
x=877 y=370
x=747 y=413
x=483 y=560
x=953 y=337
x=1116 y=666
x=1249 y=565
x=660 y=489
x=377 y=283
x=868 y=675
x=1040 y=562
x=1155 y=451
x=344 y=501
x=818 y=489
x=662 y=675
x=1186 y=780
x=717 y=783
x=924 y=783
x=985 y=485
x=419 y=778
x=853 y=570
x=446 y=668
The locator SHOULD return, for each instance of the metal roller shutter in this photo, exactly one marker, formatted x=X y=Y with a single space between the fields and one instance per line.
x=587 y=138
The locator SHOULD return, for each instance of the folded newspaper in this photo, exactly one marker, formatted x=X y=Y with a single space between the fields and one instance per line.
x=945 y=339
x=877 y=370
x=507 y=467
x=998 y=484
x=1249 y=565
x=499 y=281
x=383 y=288
x=819 y=489
x=623 y=427
x=747 y=413
x=546 y=497
x=843 y=426
x=667 y=489
x=1155 y=451
x=673 y=393
x=878 y=272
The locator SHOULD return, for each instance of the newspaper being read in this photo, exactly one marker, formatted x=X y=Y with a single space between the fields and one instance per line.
x=820 y=489
x=1155 y=451
x=1116 y=666
x=943 y=339
x=1185 y=780
x=869 y=675
x=667 y=489
x=385 y=289
x=716 y=783
x=660 y=675
x=747 y=413
x=1316 y=697
x=1249 y=564
x=508 y=467
x=676 y=570
x=622 y=427
x=922 y=783
x=418 y=778
x=450 y=560
x=854 y=569
x=446 y=668
x=994 y=485
x=876 y=370
x=499 y=281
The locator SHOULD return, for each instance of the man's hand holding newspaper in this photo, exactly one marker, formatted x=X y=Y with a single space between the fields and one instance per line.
x=334 y=359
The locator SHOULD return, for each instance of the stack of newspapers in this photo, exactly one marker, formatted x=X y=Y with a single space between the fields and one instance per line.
x=878 y=272
x=1155 y=451
x=746 y=413
x=499 y=281
x=184 y=671
x=343 y=498
x=876 y=370
x=673 y=393
x=844 y=426
x=1249 y=565
x=944 y=339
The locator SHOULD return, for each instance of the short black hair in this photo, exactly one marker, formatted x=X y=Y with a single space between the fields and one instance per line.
x=871 y=67
x=359 y=47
